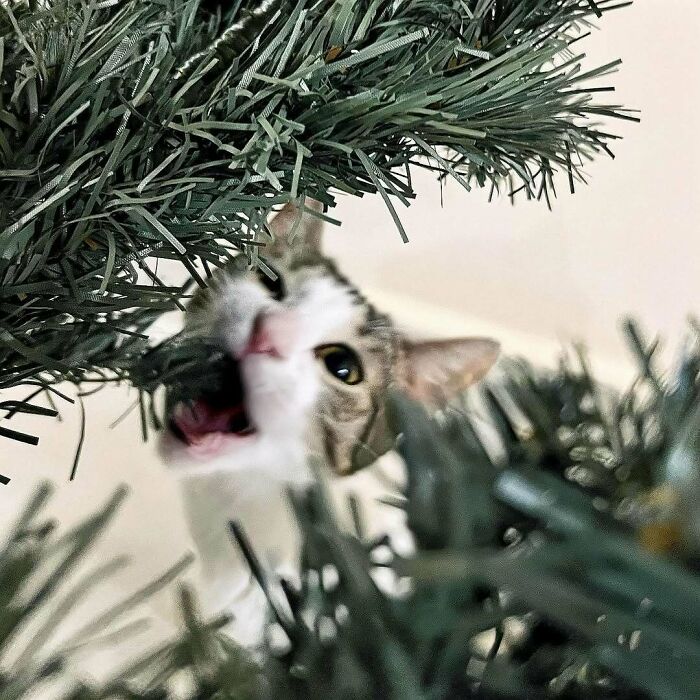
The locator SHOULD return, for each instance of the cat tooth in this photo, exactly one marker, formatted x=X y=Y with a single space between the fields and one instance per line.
x=206 y=445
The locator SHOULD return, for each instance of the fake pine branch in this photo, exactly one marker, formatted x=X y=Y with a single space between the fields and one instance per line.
x=532 y=576
x=536 y=574
x=34 y=603
x=133 y=132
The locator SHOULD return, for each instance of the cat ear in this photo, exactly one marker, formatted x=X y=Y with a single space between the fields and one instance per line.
x=435 y=371
x=296 y=230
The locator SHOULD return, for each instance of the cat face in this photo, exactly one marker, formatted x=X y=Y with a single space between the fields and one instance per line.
x=309 y=361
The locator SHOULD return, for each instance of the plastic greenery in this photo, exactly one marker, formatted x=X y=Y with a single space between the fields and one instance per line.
x=533 y=549
x=531 y=577
x=138 y=131
x=35 y=563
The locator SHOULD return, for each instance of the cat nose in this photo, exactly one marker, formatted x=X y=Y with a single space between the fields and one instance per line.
x=274 y=333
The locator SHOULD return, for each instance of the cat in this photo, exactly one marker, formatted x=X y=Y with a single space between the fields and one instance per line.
x=310 y=362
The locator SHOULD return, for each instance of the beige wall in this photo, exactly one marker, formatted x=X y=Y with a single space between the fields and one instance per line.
x=627 y=243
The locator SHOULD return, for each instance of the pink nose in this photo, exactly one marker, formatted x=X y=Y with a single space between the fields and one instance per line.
x=274 y=333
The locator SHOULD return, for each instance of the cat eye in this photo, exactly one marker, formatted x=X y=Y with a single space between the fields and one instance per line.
x=274 y=286
x=341 y=362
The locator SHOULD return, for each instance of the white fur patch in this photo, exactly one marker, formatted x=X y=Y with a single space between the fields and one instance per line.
x=229 y=477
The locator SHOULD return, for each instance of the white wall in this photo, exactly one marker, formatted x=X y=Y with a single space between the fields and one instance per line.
x=627 y=243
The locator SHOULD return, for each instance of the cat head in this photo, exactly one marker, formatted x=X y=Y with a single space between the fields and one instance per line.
x=309 y=359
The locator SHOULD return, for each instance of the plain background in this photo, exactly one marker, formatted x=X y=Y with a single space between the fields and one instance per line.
x=628 y=243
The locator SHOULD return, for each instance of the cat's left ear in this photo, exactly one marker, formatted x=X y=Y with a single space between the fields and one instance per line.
x=296 y=230
x=436 y=371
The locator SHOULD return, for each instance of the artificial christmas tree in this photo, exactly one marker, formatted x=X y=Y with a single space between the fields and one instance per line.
x=133 y=132
x=533 y=581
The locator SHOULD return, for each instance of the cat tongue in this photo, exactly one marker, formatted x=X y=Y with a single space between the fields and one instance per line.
x=195 y=421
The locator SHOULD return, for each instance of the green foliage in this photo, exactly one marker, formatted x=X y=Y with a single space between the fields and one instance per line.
x=524 y=537
x=35 y=562
x=614 y=446
x=139 y=131
x=528 y=579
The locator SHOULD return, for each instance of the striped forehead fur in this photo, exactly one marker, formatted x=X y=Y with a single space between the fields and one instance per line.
x=375 y=321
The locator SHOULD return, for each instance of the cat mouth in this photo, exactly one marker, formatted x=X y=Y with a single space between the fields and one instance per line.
x=219 y=410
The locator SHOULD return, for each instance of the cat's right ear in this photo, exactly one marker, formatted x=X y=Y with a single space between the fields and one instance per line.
x=295 y=231
x=435 y=371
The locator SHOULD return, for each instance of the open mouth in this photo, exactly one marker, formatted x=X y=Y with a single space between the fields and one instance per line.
x=219 y=408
